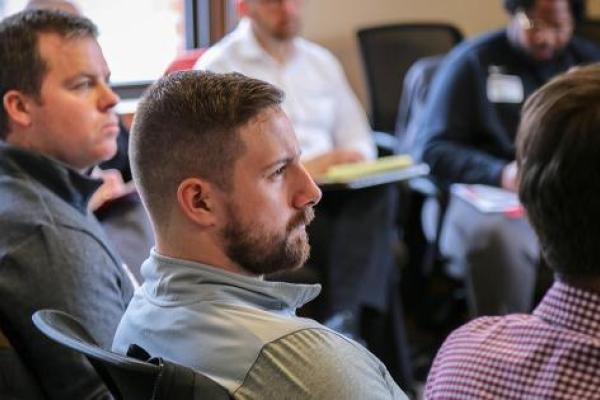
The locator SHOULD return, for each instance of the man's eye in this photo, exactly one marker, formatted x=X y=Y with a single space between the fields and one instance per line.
x=280 y=170
x=81 y=85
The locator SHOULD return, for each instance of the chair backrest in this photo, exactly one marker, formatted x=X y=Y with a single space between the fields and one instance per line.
x=412 y=102
x=388 y=52
x=127 y=377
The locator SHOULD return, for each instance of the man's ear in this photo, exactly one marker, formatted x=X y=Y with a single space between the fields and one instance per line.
x=196 y=200
x=17 y=106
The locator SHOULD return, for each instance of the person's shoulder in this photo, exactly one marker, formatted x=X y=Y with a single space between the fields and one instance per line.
x=34 y=216
x=316 y=53
x=475 y=339
x=225 y=51
x=329 y=348
x=487 y=42
x=312 y=48
x=492 y=39
x=487 y=323
x=13 y=186
x=21 y=203
x=25 y=200
x=319 y=363
x=212 y=57
x=473 y=336
x=585 y=50
x=468 y=58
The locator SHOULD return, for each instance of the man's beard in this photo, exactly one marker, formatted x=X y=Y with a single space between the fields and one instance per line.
x=285 y=31
x=261 y=252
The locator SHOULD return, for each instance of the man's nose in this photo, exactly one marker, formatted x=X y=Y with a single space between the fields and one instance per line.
x=107 y=98
x=545 y=37
x=308 y=193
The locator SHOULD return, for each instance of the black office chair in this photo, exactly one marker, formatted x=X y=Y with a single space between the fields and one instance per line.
x=388 y=51
x=129 y=378
x=400 y=62
x=428 y=263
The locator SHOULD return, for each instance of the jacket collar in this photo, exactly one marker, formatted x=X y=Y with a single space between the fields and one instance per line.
x=170 y=281
x=250 y=48
x=68 y=184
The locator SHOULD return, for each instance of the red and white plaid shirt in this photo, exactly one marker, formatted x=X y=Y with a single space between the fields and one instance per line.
x=552 y=354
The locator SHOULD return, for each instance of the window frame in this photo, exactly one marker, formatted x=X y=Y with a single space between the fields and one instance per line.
x=206 y=22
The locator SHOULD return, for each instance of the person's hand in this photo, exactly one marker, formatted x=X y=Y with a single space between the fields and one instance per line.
x=320 y=164
x=509 y=177
x=112 y=187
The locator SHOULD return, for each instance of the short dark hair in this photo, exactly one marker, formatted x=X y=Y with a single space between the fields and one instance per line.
x=22 y=67
x=62 y=5
x=558 y=153
x=513 y=6
x=187 y=125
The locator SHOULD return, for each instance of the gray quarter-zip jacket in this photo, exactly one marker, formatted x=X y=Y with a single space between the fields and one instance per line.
x=243 y=333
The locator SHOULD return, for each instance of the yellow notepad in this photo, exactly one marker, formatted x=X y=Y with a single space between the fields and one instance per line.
x=347 y=172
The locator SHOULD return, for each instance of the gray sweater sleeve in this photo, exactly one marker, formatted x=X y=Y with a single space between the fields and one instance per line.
x=54 y=268
x=317 y=364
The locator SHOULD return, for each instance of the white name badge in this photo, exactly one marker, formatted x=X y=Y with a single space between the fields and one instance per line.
x=503 y=88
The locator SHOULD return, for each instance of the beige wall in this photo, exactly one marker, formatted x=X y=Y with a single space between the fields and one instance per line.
x=333 y=23
x=594 y=8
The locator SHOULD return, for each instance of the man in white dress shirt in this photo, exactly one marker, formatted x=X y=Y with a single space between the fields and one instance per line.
x=353 y=232
x=328 y=119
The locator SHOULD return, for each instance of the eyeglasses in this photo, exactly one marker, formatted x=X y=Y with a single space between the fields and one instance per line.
x=537 y=26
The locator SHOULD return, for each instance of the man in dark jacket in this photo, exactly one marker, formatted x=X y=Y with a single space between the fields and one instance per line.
x=468 y=135
x=57 y=121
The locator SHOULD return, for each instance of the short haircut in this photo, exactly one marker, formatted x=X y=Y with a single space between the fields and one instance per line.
x=60 y=5
x=23 y=68
x=513 y=6
x=558 y=153
x=187 y=125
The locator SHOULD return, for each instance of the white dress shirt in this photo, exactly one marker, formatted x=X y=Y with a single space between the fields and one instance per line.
x=323 y=109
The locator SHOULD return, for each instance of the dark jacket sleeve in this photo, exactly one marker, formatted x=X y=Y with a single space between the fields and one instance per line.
x=453 y=123
x=120 y=160
x=53 y=268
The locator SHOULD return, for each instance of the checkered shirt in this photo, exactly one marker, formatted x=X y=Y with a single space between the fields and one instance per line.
x=552 y=354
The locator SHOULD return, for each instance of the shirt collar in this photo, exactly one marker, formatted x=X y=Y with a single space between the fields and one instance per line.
x=571 y=308
x=250 y=48
x=68 y=184
x=171 y=280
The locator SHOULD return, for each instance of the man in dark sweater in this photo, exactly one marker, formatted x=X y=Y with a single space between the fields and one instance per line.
x=468 y=136
x=57 y=121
